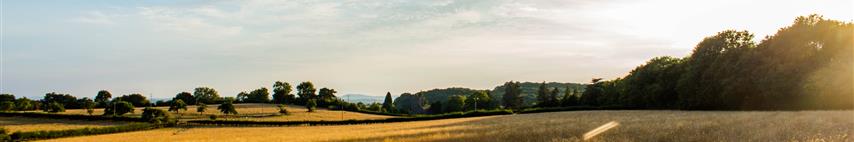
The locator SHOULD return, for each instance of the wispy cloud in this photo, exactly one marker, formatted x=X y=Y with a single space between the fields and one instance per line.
x=95 y=17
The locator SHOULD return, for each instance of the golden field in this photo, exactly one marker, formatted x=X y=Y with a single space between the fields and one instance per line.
x=24 y=124
x=556 y=126
x=258 y=112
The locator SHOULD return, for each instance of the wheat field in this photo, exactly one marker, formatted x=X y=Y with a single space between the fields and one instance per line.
x=556 y=126
x=257 y=112
x=25 y=124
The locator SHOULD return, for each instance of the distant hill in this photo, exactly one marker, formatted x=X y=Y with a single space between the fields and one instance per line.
x=443 y=94
x=367 y=99
x=529 y=90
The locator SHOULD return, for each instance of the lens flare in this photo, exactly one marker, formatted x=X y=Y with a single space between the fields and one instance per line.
x=600 y=130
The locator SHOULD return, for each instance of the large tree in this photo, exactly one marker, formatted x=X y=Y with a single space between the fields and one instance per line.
x=282 y=93
x=186 y=97
x=227 y=107
x=177 y=105
x=261 y=95
x=306 y=91
x=7 y=97
x=455 y=103
x=512 y=98
x=569 y=98
x=7 y=106
x=66 y=100
x=326 y=96
x=24 y=104
x=543 y=96
x=206 y=95
x=117 y=107
x=388 y=103
x=553 y=98
x=138 y=100
x=103 y=98
x=479 y=100
x=592 y=93
x=87 y=104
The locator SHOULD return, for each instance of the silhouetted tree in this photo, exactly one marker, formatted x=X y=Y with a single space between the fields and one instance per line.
x=455 y=104
x=206 y=95
x=118 y=108
x=479 y=100
x=388 y=103
x=201 y=108
x=436 y=108
x=261 y=95
x=186 y=97
x=137 y=100
x=311 y=105
x=103 y=98
x=177 y=105
x=305 y=91
x=227 y=107
x=512 y=98
x=282 y=93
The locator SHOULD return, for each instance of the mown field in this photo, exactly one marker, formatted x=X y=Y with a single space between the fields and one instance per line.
x=24 y=124
x=555 y=126
x=258 y=112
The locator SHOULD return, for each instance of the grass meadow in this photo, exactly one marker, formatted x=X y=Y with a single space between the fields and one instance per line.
x=555 y=126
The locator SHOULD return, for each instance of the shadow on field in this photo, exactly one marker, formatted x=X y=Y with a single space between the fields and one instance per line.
x=490 y=128
x=638 y=126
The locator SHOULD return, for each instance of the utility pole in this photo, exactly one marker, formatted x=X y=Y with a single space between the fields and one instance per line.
x=342 y=108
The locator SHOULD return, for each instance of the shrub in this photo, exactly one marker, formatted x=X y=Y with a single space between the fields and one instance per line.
x=311 y=105
x=7 y=106
x=156 y=116
x=201 y=108
x=282 y=109
x=227 y=108
x=53 y=107
x=121 y=108
x=3 y=135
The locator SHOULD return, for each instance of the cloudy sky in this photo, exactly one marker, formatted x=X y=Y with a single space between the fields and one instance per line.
x=163 y=47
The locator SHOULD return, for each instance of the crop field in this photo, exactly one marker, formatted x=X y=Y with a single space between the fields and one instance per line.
x=24 y=124
x=259 y=112
x=555 y=126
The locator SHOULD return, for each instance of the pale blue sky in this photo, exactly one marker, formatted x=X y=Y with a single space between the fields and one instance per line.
x=164 y=47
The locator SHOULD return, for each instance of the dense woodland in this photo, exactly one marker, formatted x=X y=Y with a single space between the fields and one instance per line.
x=808 y=65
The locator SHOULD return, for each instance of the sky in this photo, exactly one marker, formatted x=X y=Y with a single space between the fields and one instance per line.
x=161 y=47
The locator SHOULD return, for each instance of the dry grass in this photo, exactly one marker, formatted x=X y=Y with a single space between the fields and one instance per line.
x=260 y=112
x=558 y=126
x=24 y=124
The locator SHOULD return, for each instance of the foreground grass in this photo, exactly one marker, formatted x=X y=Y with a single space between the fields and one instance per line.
x=556 y=126
x=26 y=124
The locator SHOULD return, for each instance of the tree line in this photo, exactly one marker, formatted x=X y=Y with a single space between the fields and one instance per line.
x=807 y=65
x=306 y=95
